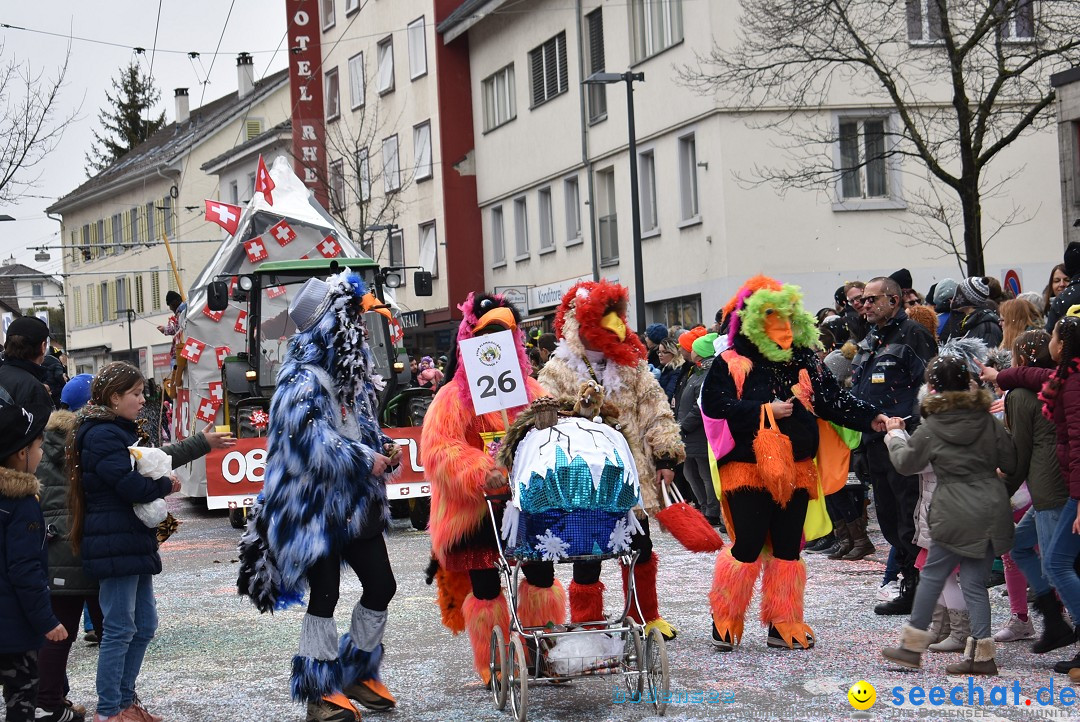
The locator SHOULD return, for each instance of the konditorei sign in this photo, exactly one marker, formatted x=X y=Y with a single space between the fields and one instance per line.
x=549 y=295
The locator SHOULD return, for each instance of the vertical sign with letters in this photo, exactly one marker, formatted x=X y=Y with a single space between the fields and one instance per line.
x=306 y=90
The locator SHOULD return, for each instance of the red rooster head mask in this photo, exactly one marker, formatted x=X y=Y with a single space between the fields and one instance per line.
x=592 y=315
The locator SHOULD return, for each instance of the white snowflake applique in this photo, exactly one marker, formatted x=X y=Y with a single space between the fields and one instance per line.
x=619 y=541
x=551 y=547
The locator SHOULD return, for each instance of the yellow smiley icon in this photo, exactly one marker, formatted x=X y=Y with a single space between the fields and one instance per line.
x=862 y=695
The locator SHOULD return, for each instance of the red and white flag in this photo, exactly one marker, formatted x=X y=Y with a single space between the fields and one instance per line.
x=206 y=411
x=241 y=322
x=224 y=214
x=275 y=291
x=283 y=233
x=263 y=182
x=221 y=352
x=256 y=250
x=192 y=350
x=217 y=394
x=215 y=315
x=329 y=247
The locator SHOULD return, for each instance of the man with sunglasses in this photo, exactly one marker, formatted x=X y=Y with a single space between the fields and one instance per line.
x=887 y=372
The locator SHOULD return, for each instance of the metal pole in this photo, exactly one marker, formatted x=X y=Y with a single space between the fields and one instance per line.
x=129 y=313
x=635 y=211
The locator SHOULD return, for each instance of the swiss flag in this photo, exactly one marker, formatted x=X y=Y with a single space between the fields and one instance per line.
x=329 y=247
x=192 y=350
x=221 y=352
x=241 y=322
x=256 y=250
x=225 y=215
x=263 y=182
x=217 y=393
x=275 y=291
x=283 y=233
x=215 y=315
x=206 y=411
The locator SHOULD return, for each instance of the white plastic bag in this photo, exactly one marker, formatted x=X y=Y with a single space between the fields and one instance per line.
x=153 y=464
x=152 y=513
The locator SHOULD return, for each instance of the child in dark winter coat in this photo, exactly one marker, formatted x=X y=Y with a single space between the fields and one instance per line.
x=970 y=515
x=25 y=613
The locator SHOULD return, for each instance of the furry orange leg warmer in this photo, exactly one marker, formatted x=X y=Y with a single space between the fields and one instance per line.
x=783 y=583
x=453 y=588
x=586 y=602
x=539 y=606
x=481 y=616
x=732 y=588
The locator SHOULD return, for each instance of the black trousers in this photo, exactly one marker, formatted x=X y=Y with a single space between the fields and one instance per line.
x=487 y=583
x=896 y=497
x=756 y=515
x=371 y=563
x=847 y=503
x=19 y=675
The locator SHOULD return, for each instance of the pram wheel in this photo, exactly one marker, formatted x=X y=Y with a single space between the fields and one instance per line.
x=497 y=667
x=656 y=667
x=517 y=680
x=633 y=661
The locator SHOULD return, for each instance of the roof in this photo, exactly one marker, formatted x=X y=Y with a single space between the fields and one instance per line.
x=1065 y=77
x=243 y=148
x=172 y=141
x=467 y=14
x=9 y=297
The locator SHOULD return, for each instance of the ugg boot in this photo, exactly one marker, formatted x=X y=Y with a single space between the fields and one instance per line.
x=783 y=583
x=861 y=546
x=939 y=626
x=586 y=602
x=843 y=543
x=316 y=669
x=647 y=604
x=541 y=606
x=1056 y=631
x=913 y=643
x=978 y=658
x=732 y=588
x=481 y=617
x=361 y=653
x=959 y=629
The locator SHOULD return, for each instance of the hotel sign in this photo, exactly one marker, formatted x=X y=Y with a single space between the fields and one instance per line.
x=306 y=91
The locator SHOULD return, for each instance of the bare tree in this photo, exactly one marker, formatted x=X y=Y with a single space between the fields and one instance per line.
x=962 y=78
x=31 y=124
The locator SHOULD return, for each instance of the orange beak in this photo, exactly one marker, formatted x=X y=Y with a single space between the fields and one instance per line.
x=369 y=300
x=501 y=315
x=778 y=329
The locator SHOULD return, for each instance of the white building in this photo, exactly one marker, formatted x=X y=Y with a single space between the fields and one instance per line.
x=27 y=291
x=552 y=170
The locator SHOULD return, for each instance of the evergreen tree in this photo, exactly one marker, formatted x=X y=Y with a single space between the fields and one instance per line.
x=124 y=119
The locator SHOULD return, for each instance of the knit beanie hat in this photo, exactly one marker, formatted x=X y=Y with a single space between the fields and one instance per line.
x=972 y=291
x=705 y=345
x=1072 y=259
x=656 y=332
x=902 y=278
x=943 y=294
x=687 y=339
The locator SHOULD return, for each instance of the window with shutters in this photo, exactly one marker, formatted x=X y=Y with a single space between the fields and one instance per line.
x=924 y=22
x=155 y=290
x=172 y=280
x=594 y=54
x=422 y=150
x=417 y=48
x=391 y=167
x=76 y=254
x=521 y=229
x=547 y=232
x=357 y=81
x=572 y=205
x=99 y=239
x=329 y=14
x=91 y=306
x=106 y=293
x=548 y=71
x=76 y=302
x=655 y=26
x=123 y=301
x=363 y=172
x=117 y=232
x=140 y=305
x=650 y=223
x=337 y=185
x=85 y=248
x=152 y=229
x=500 y=105
x=498 y=239
x=133 y=222
x=167 y=216
x=385 y=54
x=429 y=249
x=253 y=128
x=333 y=95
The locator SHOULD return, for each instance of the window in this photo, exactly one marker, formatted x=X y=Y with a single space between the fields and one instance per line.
x=547 y=233
x=429 y=249
x=76 y=301
x=134 y=223
x=499 y=104
x=37 y=289
x=172 y=280
x=99 y=238
x=85 y=247
x=103 y=297
x=498 y=240
x=647 y=192
x=155 y=290
x=333 y=95
x=684 y=311
x=123 y=303
x=417 y=49
x=337 y=185
x=356 y=81
x=363 y=172
x=688 y=180
x=351 y=6
x=386 y=65
x=924 y=21
x=397 y=250
x=234 y=193
x=167 y=216
x=391 y=169
x=422 y=150
x=91 y=305
x=594 y=55
x=151 y=225
x=547 y=67
x=75 y=255
x=606 y=217
x=572 y=201
x=863 y=168
x=521 y=229
x=1020 y=27
x=655 y=25
x=329 y=17
x=139 y=305
x=117 y=232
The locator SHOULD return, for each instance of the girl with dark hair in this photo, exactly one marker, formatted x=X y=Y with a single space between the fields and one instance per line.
x=1059 y=279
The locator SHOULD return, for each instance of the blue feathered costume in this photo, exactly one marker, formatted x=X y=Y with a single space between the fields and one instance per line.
x=322 y=507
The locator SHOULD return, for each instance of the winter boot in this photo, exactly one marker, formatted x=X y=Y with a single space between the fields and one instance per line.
x=861 y=546
x=783 y=582
x=939 y=627
x=1056 y=632
x=647 y=609
x=959 y=629
x=901 y=604
x=732 y=588
x=481 y=617
x=316 y=669
x=332 y=708
x=978 y=658
x=1064 y=666
x=541 y=606
x=843 y=543
x=821 y=544
x=913 y=643
x=586 y=602
x=361 y=652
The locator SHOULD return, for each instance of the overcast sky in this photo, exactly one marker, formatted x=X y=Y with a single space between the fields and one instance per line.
x=255 y=26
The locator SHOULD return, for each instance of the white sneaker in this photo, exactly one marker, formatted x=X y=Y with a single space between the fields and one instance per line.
x=889 y=591
x=1015 y=630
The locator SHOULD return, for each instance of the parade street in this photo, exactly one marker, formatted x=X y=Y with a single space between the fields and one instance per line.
x=216 y=659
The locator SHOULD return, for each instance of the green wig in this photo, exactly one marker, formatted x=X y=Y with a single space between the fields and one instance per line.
x=788 y=303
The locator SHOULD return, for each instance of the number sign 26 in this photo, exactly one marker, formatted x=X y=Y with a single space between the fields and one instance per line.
x=494 y=372
x=507 y=384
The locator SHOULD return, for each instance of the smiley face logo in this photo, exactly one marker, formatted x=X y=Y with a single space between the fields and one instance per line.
x=862 y=695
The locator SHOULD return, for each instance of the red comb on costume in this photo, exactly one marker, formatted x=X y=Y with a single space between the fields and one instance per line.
x=589 y=302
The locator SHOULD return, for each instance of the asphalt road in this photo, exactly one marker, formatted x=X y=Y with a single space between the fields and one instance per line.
x=215 y=658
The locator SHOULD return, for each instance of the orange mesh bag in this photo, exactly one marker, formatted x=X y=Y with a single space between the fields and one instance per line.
x=775 y=458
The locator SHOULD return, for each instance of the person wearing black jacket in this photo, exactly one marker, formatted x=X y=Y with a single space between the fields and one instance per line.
x=1071 y=295
x=974 y=313
x=22 y=379
x=887 y=371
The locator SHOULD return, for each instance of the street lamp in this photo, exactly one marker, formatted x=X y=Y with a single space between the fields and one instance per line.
x=635 y=211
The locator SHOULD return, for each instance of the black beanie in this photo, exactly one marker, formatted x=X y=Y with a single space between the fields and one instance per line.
x=1072 y=259
x=902 y=278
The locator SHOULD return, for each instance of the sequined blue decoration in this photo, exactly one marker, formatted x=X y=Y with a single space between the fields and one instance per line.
x=587 y=531
x=569 y=486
